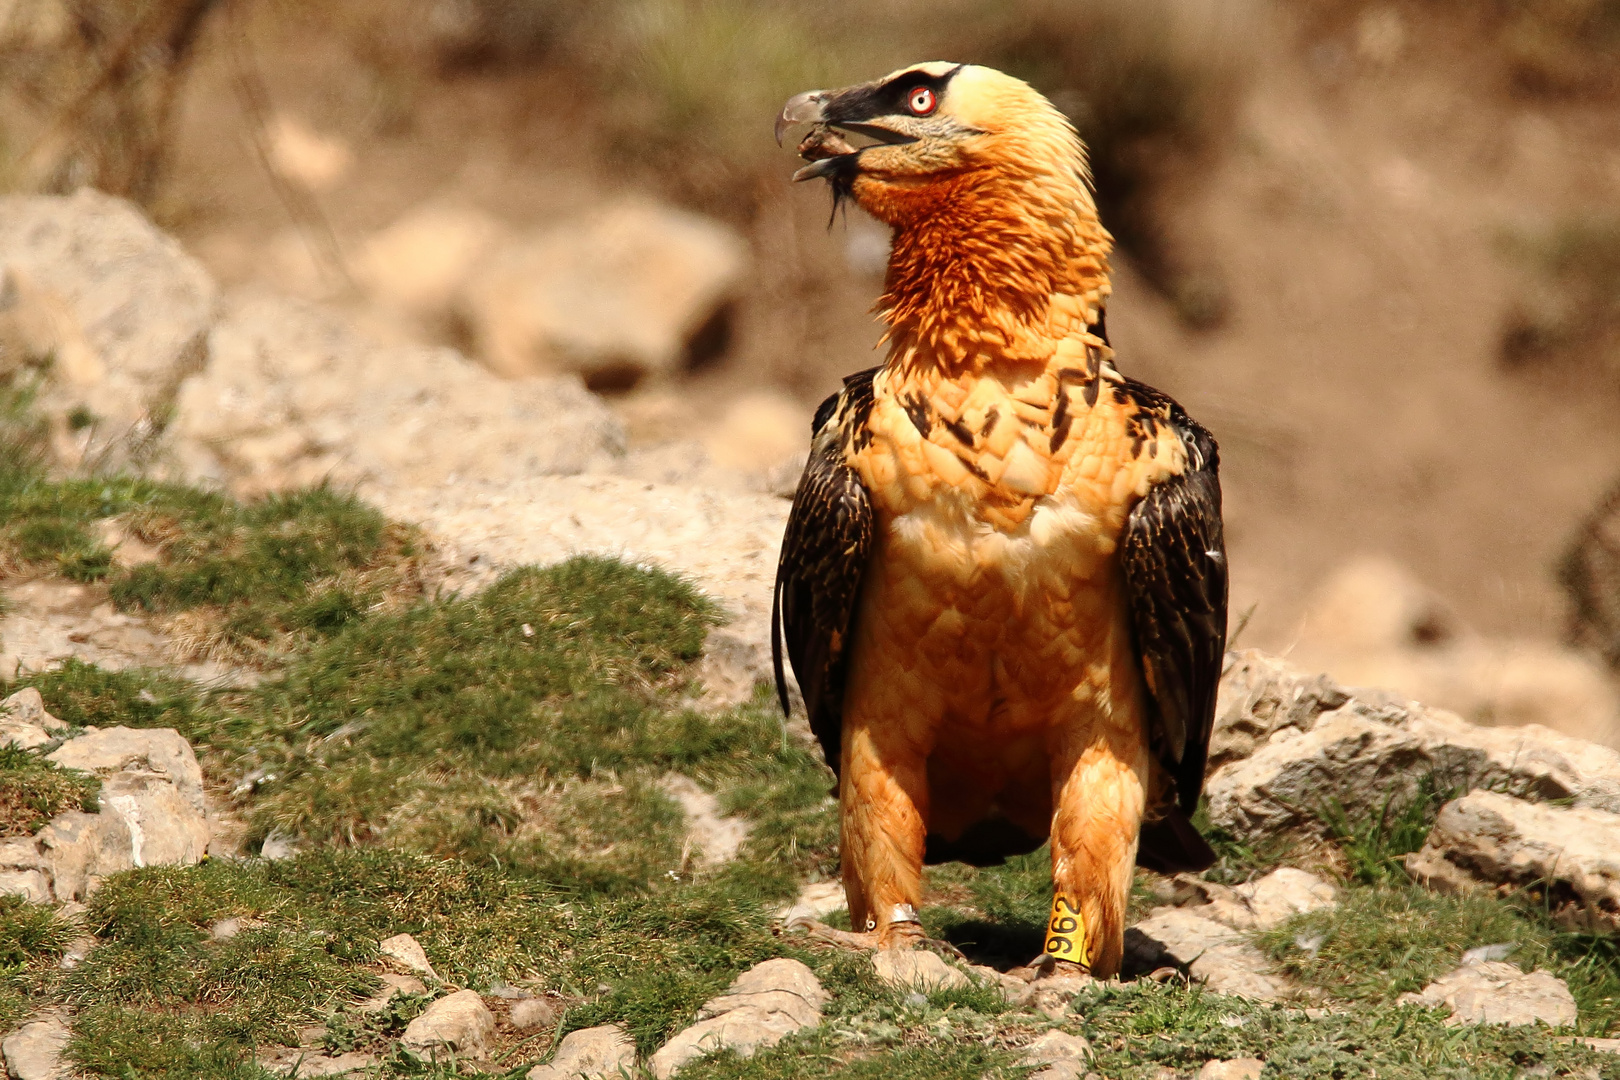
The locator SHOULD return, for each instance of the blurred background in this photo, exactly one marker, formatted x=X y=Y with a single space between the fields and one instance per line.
x=1374 y=246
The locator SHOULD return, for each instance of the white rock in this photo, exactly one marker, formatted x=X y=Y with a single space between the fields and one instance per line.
x=1373 y=747
x=1487 y=839
x=152 y=809
x=278 y=847
x=23 y=736
x=1260 y=695
x=1232 y=1069
x=161 y=751
x=1213 y=954
x=32 y=885
x=28 y=707
x=294 y=395
x=300 y=1063
x=613 y=297
x=123 y=308
x=917 y=969
x=1050 y=996
x=24 y=722
x=815 y=901
x=762 y=1006
x=1496 y=993
x=34 y=1051
x=409 y=952
x=1266 y=901
x=1372 y=623
x=590 y=1053
x=420 y=262
x=1056 y=1046
x=50 y=620
x=459 y=1025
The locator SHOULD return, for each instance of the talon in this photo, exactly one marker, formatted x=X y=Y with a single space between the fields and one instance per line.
x=844 y=939
x=1047 y=966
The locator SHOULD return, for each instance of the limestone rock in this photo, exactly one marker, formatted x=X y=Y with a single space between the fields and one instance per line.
x=532 y=1014
x=629 y=291
x=49 y=620
x=917 y=969
x=1050 y=996
x=1486 y=839
x=763 y=1005
x=152 y=808
x=1232 y=1069
x=34 y=1051
x=1498 y=993
x=160 y=751
x=459 y=1025
x=26 y=706
x=1373 y=747
x=23 y=870
x=293 y=395
x=420 y=262
x=590 y=1053
x=123 y=310
x=24 y=722
x=1210 y=952
x=1063 y=1054
x=727 y=544
x=1266 y=901
x=407 y=951
x=1260 y=695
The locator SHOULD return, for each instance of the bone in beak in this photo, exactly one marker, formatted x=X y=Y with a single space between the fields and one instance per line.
x=802 y=108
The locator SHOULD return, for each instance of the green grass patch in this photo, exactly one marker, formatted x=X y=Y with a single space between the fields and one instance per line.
x=1373 y=844
x=254 y=578
x=34 y=790
x=32 y=939
x=1137 y=1029
x=1389 y=939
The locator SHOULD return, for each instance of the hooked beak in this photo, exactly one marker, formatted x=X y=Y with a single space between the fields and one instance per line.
x=805 y=108
x=824 y=147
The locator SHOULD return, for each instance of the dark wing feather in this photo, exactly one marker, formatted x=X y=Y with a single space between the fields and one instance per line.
x=1174 y=556
x=818 y=579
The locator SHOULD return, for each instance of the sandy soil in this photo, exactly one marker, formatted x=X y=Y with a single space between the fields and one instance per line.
x=1357 y=217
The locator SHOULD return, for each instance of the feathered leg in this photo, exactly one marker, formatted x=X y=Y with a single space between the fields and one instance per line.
x=1099 y=778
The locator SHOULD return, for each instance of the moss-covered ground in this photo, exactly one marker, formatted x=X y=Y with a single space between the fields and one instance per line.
x=484 y=772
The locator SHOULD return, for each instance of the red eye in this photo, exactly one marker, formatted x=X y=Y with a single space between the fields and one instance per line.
x=921 y=101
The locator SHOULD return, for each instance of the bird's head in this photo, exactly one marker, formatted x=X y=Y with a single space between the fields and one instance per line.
x=936 y=132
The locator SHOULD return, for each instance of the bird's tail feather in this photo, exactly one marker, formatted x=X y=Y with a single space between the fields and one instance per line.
x=1171 y=845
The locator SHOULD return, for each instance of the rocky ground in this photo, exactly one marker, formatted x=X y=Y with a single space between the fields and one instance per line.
x=295 y=786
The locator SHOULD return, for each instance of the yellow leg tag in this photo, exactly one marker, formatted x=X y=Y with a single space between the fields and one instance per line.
x=1066 y=932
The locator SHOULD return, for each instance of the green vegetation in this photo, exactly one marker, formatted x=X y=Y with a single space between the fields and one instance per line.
x=33 y=790
x=251 y=579
x=32 y=939
x=1372 y=845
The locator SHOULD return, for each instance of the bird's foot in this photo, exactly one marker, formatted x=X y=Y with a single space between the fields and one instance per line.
x=901 y=936
x=1047 y=966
